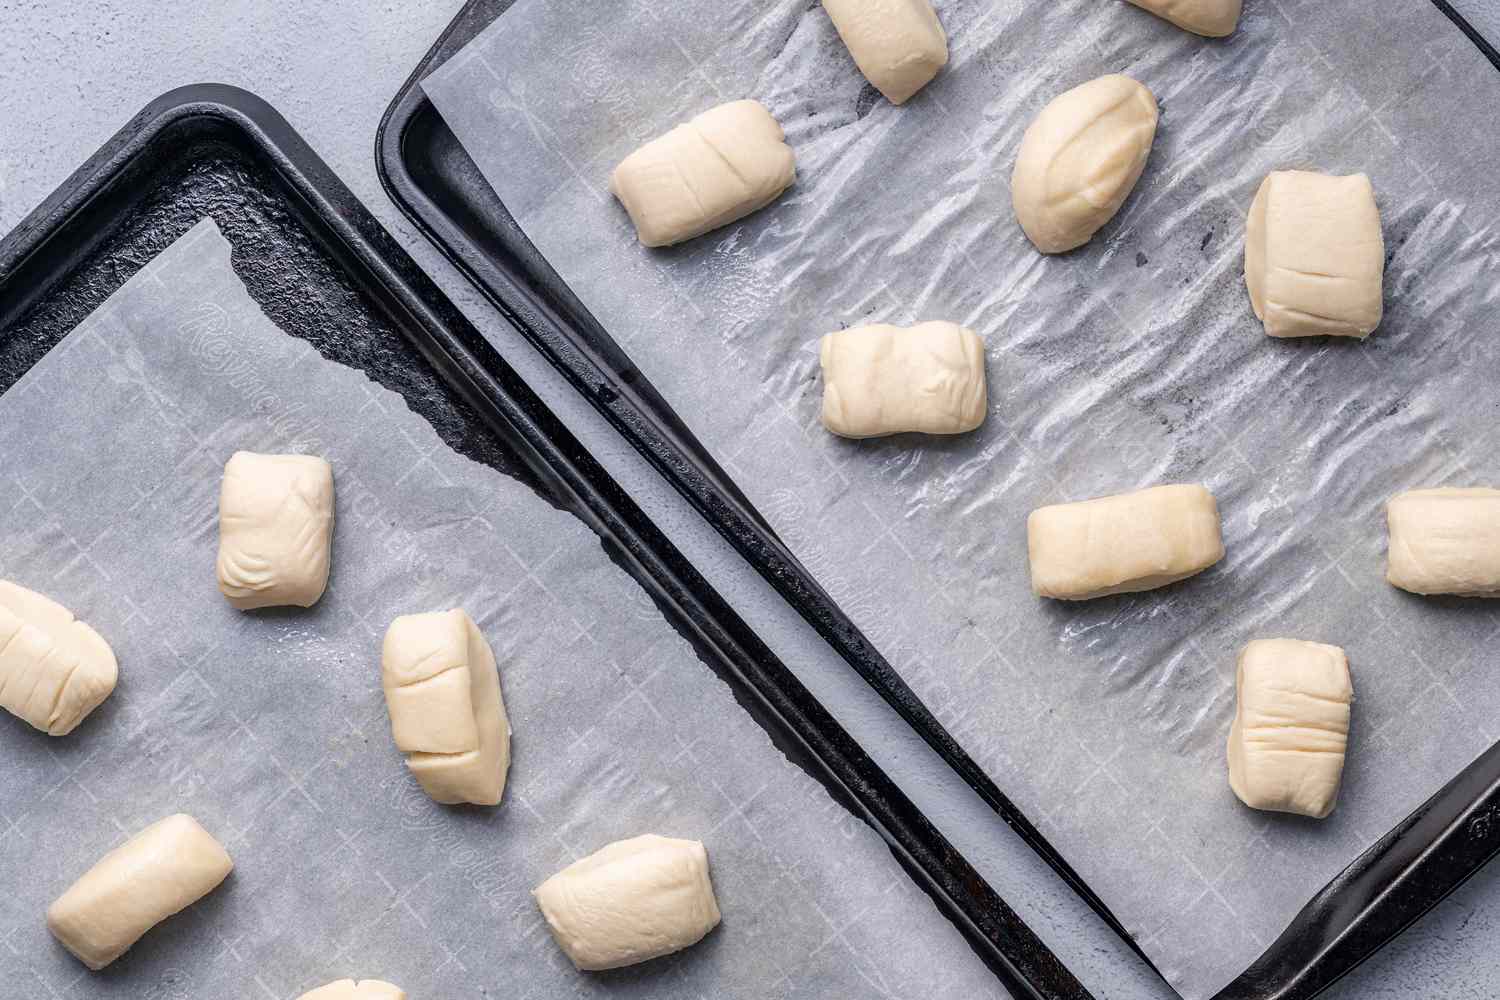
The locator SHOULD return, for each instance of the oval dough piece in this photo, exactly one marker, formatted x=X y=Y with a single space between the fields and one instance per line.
x=882 y=379
x=348 y=989
x=1445 y=541
x=1213 y=18
x=1080 y=160
x=275 y=530
x=442 y=688
x=54 y=669
x=1291 y=726
x=723 y=165
x=1123 y=544
x=1315 y=255
x=162 y=870
x=899 y=45
x=634 y=900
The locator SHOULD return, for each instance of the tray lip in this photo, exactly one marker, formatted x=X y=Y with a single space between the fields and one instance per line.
x=842 y=766
x=1484 y=45
x=1374 y=924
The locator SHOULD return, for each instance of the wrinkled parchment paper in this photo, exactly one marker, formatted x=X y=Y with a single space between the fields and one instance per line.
x=1133 y=362
x=271 y=728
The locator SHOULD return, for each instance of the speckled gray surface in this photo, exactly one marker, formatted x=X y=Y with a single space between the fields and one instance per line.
x=74 y=73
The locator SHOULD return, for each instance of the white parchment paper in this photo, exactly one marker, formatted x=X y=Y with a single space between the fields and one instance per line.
x=1132 y=362
x=271 y=728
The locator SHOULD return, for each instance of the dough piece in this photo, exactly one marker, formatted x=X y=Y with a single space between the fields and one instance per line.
x=442 y=689
x=723 y=165
x=634 y=900
x=899 y=45
x=1080 y=160
x=162 y=870
x=1213 y=18
x=275 y=530
x=1445 y=541
x=348 y=989
x=1291 y=726
x=1315 y=256
x=1123 y=544
x=54 y=669
x=884 y=379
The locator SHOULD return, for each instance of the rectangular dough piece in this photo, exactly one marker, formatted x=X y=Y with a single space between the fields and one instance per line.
x=1291 y=726
x=899 y=45
x=54 y=669
x=1445 y=541
x=631 y=901
x=1315 y=255
x=883 y=379
x=1211 y=18
x=723 y=165
x=162 y=870
x=1123 y=544
x=442 y=689
x=275 y=530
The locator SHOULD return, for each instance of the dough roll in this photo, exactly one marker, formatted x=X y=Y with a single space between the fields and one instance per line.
x=882 y=379
x=1080 y=159
x=348 y=989
x=54 y=669
x=442 y=689
x=1123 y=544
x=723 y=165
x=1291 y=726
x=1315 y=255
x=1213 y=18
x=899 y=45
x=1445 y=541
x=275 y=530
x=634 y=900
x=162 y=870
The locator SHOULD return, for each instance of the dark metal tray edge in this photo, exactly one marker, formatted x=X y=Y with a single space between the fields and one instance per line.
x=1469 y=31
x=1382 y=892
x=63 y=223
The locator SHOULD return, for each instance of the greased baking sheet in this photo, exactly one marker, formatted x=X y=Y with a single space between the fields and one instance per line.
x=1134 y=361
x=271 y=729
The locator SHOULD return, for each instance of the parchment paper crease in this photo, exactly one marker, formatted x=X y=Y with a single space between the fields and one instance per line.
x=271 y=728
x=1132 y=362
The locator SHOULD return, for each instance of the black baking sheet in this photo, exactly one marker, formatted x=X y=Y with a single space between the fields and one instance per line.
x=323 y=269
x=429 y=175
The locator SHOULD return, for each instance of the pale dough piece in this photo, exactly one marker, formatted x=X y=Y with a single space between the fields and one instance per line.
x=884 y=379
x=54 y=669
x=728 y=162
x=899 y=45
x=442 y=689
x=1445 y=541
x=275 y=530
x=1080 y=160
x=162 y=870
x=1123 y=544
x=634 y=900
x=1213 y=18
x=1315 y=256
x=348 y=989
x=1291 y=726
